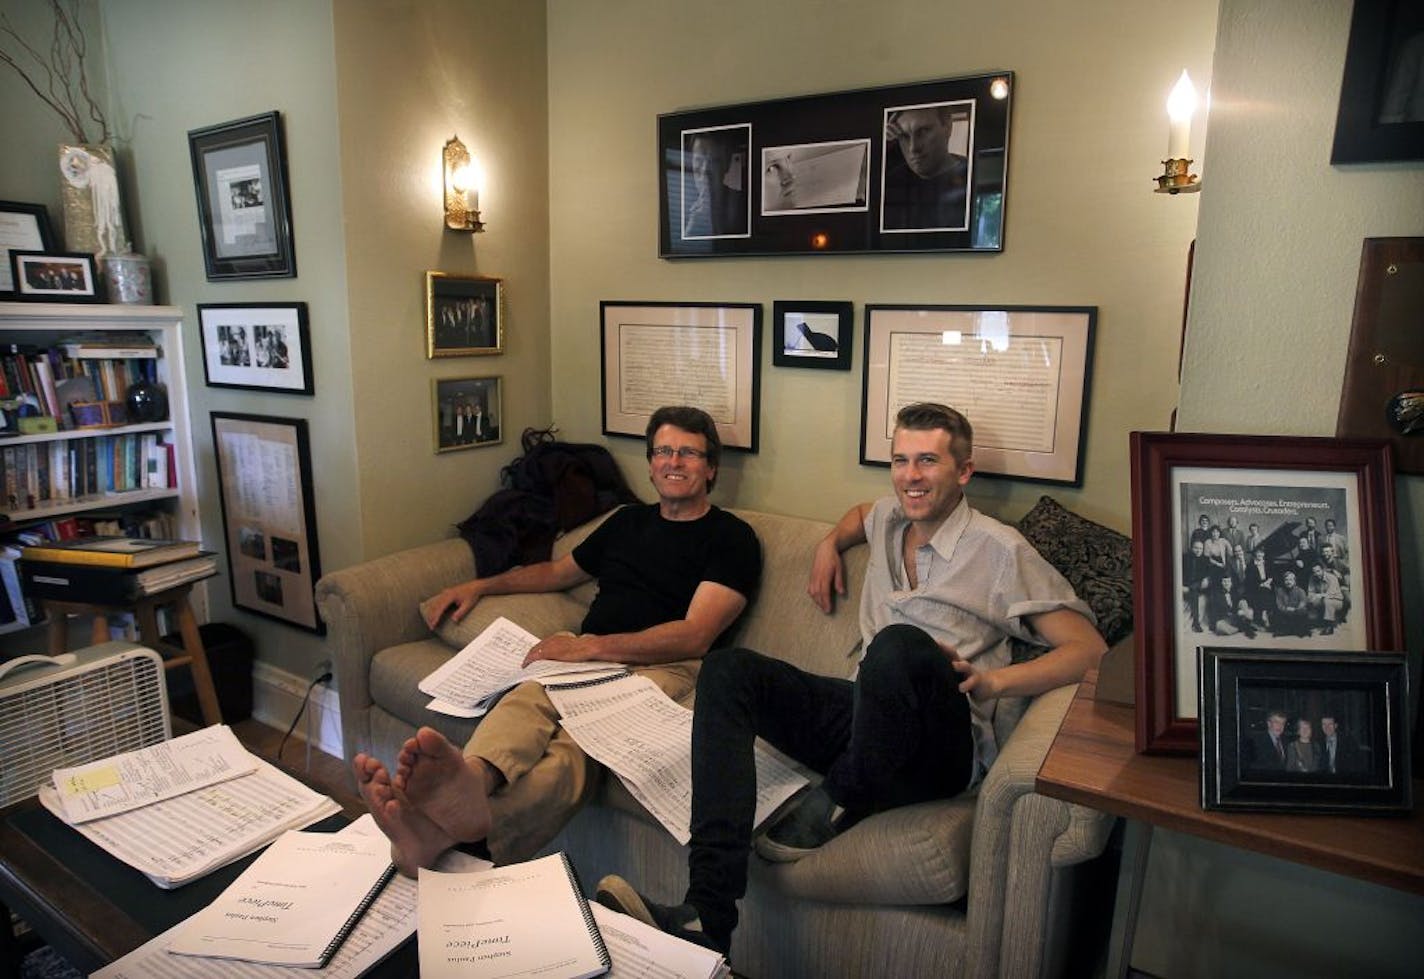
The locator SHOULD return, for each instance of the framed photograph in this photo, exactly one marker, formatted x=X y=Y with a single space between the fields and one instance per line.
x=54 y=277
x=269 y=517
x=1254 y=542
x=702 y=354
x=244 y=212
x=464 y=315
x=812 y=334
x=1381 y=115
x=1020 y=374
x=903 y=168
x=23 y=228
x=467 y=412
x=256 y=346
x=1304 y=730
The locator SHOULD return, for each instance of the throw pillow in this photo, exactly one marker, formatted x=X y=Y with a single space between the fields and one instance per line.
x=1096 y=560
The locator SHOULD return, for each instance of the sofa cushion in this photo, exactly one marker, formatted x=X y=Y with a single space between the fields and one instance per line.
x=543 y=615
x=396 y=670
x=1096 y=560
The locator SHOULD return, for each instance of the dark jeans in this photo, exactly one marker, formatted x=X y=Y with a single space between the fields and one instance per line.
x=900 y=733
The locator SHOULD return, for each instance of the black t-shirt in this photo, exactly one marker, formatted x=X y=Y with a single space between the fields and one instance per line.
x=648 y=568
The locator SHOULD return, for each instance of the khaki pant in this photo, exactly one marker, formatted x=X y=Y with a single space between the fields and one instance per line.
x=548 y=776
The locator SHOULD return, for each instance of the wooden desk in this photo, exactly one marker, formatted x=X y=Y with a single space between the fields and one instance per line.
x=1093 y=761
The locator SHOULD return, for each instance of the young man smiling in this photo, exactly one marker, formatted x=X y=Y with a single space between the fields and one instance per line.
x=948 y=593
x=673 y=576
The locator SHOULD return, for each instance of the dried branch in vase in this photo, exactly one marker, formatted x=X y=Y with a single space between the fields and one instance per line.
x=58 y=77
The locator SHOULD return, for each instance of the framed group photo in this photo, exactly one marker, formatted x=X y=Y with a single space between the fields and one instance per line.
x=54 y=277
x=702 y=354
x=464 y=315
x=1254 y=542
x=467 y=412
x=1020 y=374
x=903 y=168
x=244 y=210
x=1304 y=730
x=23 y=228
x=256 y=346
x=269 y=516
x=812 y=334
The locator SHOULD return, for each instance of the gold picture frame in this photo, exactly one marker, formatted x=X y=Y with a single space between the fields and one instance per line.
x=467 y=412
x=464 y=315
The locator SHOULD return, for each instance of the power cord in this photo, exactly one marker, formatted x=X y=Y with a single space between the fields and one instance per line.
x=306 y=698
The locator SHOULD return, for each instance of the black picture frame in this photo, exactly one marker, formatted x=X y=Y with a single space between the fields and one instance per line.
x=23 y=227
x=1305 y=694
x=268 y=509
x=824 y=174
x=1380 y=118
x=55 y=277
x=256 y=346
x=813 y=334
x=244 y=210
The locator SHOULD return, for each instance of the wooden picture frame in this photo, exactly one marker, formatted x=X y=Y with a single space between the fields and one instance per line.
x=1381 y=114
x=268 y=509
x=468 y=412
x=244 y=210
x=826 y=174
x=464 y=315
x=813 y=334
x=1020 y=374
x=1183 y=485
x=703 y=354
x=55 y=277
x=1301 y=730
x=25 y=228
x=256 y=346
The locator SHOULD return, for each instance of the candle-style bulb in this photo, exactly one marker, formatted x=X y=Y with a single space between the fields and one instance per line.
x=1181 y=105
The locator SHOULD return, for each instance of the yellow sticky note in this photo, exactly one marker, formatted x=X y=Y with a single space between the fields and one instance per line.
x=82 y=783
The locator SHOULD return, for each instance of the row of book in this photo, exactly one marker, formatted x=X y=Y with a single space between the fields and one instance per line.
x=38 y=474
x=57 y=376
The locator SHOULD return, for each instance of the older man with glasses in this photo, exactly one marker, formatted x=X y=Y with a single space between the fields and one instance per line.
x=673 y=576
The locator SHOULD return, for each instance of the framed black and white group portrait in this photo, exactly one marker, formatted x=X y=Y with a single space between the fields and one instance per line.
x=903 y=168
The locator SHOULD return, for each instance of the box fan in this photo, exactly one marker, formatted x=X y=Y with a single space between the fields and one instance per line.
x=66 y=710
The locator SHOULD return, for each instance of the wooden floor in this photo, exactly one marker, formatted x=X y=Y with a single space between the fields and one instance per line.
x=330 y=775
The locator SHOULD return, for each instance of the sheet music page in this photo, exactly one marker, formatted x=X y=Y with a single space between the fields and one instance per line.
x=490 y=664
x=646 y=739
x=523 y=919
x=160 y=771
x=184 y=837
x=381 y=930
x=643 y=952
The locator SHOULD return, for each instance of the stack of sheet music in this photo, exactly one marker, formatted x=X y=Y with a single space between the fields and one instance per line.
x=178 y=810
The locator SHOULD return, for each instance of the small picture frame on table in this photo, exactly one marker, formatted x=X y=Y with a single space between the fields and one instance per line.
x=464 y=315
x=244 y=212
x=1315 y=521
x=256 y=346
x=812 y=334
x=467 y=412
x=54 y=277
x=24 y=228
x=1304 y=730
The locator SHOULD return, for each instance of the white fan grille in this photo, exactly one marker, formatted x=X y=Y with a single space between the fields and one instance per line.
x=113 y=704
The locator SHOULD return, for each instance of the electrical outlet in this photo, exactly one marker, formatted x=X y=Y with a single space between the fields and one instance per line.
x=323 y=669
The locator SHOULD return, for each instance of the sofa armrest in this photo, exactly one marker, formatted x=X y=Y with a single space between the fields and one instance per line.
x=370 y=606
x=1019 y=838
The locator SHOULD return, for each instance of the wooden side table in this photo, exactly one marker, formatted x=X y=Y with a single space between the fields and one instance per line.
x=191 y=654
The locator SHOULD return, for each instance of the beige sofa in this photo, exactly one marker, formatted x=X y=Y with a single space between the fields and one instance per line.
x=976 y=886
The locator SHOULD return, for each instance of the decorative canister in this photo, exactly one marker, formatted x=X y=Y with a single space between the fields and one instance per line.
x=128 y=278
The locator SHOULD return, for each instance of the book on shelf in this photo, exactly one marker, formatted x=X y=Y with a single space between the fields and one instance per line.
x=114 y=552
x=100 y=584
x=103 y=349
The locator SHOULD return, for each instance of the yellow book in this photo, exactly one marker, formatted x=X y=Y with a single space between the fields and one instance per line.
x=113 y=552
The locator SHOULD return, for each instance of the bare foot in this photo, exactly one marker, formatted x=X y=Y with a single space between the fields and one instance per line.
x=437 y=779
x=415 y=841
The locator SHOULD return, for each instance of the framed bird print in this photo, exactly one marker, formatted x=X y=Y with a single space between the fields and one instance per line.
x=812 y=334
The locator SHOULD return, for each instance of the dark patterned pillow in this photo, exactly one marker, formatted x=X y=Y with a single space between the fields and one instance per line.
x=1096 y=560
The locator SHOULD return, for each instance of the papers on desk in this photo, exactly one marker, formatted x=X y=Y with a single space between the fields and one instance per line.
x=184 y=837
x=636 y=730
x=160 y=771
x=379 y=932
x=642 y=952
x=492 y=663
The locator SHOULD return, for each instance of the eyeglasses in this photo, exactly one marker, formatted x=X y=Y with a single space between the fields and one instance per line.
x=687 y=453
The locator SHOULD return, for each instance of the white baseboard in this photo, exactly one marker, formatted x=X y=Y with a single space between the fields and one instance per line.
x=276 y=697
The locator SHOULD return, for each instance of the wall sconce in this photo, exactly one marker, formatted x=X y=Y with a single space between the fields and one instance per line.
x=462 y=188
x=1177 y=177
